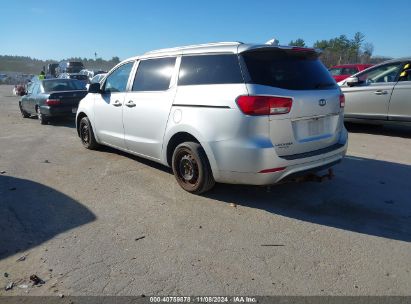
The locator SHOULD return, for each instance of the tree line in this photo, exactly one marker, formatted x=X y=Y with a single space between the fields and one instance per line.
x=344 y=50
x=28 y=65
x=338 y=50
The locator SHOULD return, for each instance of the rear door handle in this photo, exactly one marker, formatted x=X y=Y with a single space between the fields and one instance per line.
x=380 y=92
x=117 y=103
x=130 y=104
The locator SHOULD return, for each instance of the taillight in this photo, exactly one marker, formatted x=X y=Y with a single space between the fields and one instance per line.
x=264 y=105
x=53 y=102
x=342 y=101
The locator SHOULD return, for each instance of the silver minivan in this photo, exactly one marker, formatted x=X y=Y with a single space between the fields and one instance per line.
x=224 y=112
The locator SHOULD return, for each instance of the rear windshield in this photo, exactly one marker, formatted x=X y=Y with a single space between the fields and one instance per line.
x=62 y=85
x=287 y=70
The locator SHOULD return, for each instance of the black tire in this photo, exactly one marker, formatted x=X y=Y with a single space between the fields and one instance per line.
x=41 y=117
x=86 y=134
x=191 y=168
x=23 y=113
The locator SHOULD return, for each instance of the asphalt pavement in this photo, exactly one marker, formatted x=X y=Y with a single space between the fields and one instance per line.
x=107 y=223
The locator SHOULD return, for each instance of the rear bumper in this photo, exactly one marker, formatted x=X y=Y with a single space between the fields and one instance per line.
x=57 y=111
x=231 y=177
x=266 y=158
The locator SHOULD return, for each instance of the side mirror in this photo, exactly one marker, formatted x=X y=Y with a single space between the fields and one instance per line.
x=352 y=81
x=94 y=88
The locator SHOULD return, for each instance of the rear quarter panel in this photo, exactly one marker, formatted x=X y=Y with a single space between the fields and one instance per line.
x=209 y=113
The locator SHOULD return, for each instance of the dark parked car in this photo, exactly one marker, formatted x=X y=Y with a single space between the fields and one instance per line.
x=52 y=98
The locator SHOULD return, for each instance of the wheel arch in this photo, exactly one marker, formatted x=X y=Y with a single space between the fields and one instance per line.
x=180 y=135
x=79 y=117
x=175 y=140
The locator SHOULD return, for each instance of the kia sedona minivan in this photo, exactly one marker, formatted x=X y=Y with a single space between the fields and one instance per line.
x=224 y=112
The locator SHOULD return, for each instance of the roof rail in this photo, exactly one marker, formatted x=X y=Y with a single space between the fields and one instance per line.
x=195 y=46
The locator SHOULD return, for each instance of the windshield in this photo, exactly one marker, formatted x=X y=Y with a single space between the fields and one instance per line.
x=74 y=69
x=56 y=85
x=97 y=78
x=343 y=71
x=287 y=70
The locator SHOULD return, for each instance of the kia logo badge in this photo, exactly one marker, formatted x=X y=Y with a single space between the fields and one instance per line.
x=322 y=102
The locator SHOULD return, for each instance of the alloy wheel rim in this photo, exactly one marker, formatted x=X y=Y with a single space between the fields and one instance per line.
x=85 y=136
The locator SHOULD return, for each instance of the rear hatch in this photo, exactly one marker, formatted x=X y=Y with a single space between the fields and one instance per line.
x=314 y=117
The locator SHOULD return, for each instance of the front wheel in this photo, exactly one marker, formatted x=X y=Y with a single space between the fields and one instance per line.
x=42 y=118
x=191 y=168
x=87 y=135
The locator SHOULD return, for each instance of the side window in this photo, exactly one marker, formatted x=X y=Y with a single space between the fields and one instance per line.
x=117 y=81
x=154 y=74
x=385 y=73
x=209 y=69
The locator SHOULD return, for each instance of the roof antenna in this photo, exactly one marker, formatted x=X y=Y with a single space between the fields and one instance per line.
x=273 y=41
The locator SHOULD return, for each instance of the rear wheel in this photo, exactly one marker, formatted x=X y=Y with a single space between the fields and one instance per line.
x=23 y=113
x=87 y=135
x=191 y=168
x=41 y=117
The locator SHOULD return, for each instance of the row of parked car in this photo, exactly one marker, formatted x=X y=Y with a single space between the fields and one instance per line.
x=85 y=76
x=226 y=112
x=73 y=70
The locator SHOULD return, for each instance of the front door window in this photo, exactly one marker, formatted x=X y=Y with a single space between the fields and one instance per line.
x=117 y=81
x=382 y=74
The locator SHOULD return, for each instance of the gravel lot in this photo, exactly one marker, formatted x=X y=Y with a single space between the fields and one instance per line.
x=107 y=223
